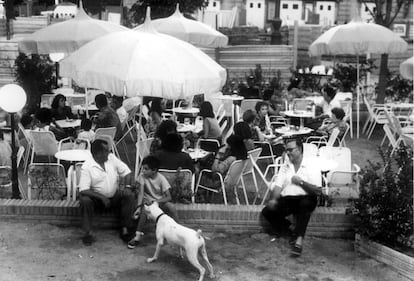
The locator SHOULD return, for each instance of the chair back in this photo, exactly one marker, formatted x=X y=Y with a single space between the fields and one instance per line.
x=341 y=155
x=332 y=138
x=346 y=105
x=253 y=156
x=44 y=143
x=342 y=96
x=182 y=184
x=390 y=136
x=223 y=126
x=143 y=149
x=107 y=134
x=310 y=150
x=277 y=121
x=47 y=181
x=234 y=173
x=248 y=104
x=211 y=145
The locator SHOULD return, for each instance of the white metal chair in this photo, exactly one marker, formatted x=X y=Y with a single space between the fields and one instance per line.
x=143 y=150
x=248 y=169
x=323 y=141
x=108 y=134
x=310 y=150
x=376 y=116
x=347 y=107
x=44 y=144
x=231 y=180
x=343 y=181
x=28 y=145
x=211 y=145
x=48 y=180
x=6 y=178
x=182 y=184
x=393 y=141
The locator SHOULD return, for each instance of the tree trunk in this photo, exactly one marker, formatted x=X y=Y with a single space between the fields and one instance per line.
x=383 y=78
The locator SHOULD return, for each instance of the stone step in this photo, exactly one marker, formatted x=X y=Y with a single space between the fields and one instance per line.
x=325 y=222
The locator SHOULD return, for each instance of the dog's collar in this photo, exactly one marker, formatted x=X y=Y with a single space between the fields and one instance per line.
x=160 y=215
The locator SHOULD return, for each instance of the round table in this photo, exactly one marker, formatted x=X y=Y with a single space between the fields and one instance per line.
x=71 y=123
x=185 y=128
x=287 y=131
x=197 y=153
x=235 y=108
x=73 y=155
x=185 y=110
x=298 y=114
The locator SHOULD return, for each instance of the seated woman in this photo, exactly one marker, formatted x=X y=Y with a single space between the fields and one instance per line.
x=262 y=119
x=276 y=103
x=243 y=130
x=336 y=121
x=232 y=151
x=171 y=155
x=249 y=116
x=211 y=128
x=166 y=127
x=44 y=123
x=59 y=108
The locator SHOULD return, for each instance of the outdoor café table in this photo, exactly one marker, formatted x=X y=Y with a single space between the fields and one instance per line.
x=291 y=131
x=235 y=108
x=301 y=114
x=68 y=123
x=197 y=153
x=186 y=128
x=73 y=156
x=186 y=110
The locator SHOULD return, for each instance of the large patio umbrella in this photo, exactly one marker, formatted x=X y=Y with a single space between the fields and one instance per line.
x=144 y=63
x=192 y=31
x=406 y=68
x=68 y=36
x=357 y=38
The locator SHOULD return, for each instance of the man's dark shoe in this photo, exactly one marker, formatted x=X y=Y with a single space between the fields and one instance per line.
x=126 y=237
x=88 y=240
x=134 y=242
x=296 y=251
x=292 y=240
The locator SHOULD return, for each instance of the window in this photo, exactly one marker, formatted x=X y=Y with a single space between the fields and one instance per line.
x=259 y=5
x=251 y=5
x=214 y=4
x=329 y=7
x=284 y=6
x=295 y=6
x=366 y=9
x=374 y=9
x=321 y=8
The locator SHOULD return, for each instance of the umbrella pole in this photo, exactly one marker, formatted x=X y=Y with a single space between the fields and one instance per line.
x=138 y=139
x=86 y=103
x=358 y=98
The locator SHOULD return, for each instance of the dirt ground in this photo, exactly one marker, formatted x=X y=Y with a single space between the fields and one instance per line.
x=42 y=252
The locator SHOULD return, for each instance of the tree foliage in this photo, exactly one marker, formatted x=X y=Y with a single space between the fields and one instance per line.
x=384 y=14
x=164 y=8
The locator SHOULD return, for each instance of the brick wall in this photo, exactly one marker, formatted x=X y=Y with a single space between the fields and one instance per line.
x=325 y=222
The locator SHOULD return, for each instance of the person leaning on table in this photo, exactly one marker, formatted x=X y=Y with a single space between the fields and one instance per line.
x=99 y=189
x=294 y=191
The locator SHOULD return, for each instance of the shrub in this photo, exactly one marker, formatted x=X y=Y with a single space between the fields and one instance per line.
x=385 y=207
x=399 y=89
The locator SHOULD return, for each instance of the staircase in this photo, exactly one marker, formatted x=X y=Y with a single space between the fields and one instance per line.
x=8 y=53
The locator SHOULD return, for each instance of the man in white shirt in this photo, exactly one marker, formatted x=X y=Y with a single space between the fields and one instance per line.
x=294 y=192
x=99 y=189
x=329 y=102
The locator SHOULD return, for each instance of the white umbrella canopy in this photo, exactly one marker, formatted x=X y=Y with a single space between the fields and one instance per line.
x=358 y=38
x=406 y=68
x=144 y=63
x=191 y=31
x=68 y=36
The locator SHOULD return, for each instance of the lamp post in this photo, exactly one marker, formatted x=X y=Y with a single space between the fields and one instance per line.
x=56 y=58
x=12 y=100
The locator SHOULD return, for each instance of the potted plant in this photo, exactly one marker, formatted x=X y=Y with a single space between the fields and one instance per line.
x=384 y=210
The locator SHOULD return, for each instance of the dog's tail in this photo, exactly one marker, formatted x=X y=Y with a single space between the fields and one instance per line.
x=199 y=233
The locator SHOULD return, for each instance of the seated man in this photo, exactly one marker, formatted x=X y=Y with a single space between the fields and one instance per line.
x=99 y=189
x=294 y=192
x=106 y=117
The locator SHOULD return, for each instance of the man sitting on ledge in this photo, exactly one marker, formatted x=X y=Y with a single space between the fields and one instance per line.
x=99 y=189
x=294 y=192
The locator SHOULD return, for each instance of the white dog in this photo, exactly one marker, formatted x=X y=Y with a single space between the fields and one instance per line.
x=175 y=234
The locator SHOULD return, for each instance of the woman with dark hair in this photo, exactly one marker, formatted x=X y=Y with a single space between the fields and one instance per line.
x=262 y=119
x=232 y=151
x=171 y=155
x=166 y=127
x=211 y=128
x=336 y=121
x=59 y=108
x=249 y=116
x=243 y=130
x=155 y=117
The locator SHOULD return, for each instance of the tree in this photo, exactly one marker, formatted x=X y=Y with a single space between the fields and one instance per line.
x=384 y=14
x=164 y=8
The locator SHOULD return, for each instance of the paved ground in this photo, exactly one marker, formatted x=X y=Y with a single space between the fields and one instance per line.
x=43 y=252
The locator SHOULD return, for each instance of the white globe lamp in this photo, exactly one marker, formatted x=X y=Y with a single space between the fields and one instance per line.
x=13 y=99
